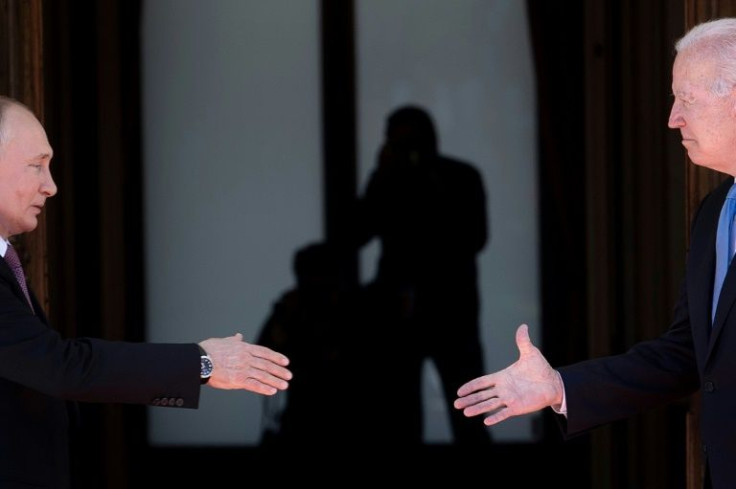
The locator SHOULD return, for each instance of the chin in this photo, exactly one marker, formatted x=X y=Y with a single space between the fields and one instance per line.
x=29 y=226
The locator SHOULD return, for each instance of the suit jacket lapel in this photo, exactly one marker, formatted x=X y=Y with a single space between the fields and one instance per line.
x=700 y=272
x=701 y=263
x=7 y=274
x=725 y=302
x=37 y=309
x=701 y=266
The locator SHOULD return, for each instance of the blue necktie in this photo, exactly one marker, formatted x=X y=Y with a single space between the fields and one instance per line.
x=724 y=245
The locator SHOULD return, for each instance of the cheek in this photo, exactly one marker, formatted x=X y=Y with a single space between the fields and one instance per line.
x=25 y=193
x=715 y=129
x=724 y=130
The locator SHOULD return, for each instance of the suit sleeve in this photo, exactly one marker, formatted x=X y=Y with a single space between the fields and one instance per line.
x=651 y=374
x=93 y=370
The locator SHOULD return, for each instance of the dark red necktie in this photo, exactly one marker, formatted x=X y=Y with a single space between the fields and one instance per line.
x=12 y=259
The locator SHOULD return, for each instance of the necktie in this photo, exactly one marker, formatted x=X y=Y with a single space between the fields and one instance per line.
x=724 y=245
x=12 y=259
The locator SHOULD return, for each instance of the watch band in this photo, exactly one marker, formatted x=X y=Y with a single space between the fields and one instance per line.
x=205 y=366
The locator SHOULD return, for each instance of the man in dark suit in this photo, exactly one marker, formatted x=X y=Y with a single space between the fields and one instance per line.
x=40 y=371
x=429 y=212
x=698 y=351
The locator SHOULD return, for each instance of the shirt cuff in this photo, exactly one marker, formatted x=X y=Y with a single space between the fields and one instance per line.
x=562 y=408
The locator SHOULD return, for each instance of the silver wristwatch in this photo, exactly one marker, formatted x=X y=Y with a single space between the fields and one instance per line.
x=205 y=366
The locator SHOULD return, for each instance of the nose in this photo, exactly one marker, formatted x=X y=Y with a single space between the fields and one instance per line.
x=676 y=120
x=48 y=186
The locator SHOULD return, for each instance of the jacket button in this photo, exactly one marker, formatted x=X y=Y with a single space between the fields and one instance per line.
x=156 y=401
x=179 y=402
x=164 y=402
x=709 y=386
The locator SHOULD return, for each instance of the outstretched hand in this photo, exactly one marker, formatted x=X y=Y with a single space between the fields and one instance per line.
x=241 y=365
x=525 y=386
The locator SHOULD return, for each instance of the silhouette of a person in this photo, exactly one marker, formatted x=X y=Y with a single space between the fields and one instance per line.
x=341 y=396
x=429 y=212
x=310 y=320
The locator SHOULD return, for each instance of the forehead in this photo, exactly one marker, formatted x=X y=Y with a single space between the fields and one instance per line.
x=692 y=70
x=23 y=132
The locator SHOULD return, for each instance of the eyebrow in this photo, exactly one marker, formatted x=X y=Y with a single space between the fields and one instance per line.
x=683 y=94
x=43 y=156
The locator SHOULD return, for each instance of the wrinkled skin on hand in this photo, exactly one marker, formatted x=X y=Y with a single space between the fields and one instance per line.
x=527 y=385
x=241 y=365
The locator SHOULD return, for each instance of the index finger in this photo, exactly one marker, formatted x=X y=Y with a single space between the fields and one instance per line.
x=266 y=353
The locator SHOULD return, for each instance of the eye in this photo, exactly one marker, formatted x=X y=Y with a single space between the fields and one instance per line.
x=684 y=98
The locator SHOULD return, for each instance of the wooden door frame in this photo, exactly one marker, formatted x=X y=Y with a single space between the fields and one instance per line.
x=21 y=77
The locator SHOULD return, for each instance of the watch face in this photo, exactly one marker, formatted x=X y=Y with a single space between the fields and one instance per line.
x=205 y=369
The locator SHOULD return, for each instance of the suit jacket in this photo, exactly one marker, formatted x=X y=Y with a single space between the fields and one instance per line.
x=692 y=354
x=40 y=372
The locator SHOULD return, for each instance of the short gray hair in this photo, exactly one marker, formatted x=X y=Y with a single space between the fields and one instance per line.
x=5 y=103
x=716 y=39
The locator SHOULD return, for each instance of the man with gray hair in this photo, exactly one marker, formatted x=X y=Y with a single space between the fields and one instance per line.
x=697 y=351
x=40 y=371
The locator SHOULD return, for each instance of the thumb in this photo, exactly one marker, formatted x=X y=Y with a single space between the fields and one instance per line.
x=523 y=342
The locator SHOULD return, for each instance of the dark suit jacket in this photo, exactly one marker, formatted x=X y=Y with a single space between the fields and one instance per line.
x=692 y=354
x=40 y=372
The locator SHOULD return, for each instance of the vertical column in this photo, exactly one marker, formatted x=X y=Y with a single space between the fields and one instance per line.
x=338 y=122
